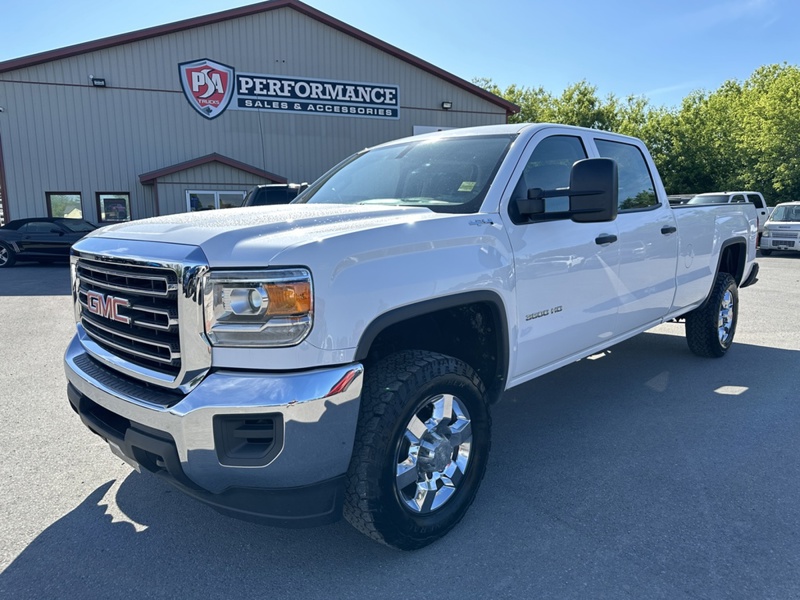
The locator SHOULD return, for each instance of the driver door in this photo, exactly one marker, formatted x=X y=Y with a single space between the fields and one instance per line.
x=566 y=272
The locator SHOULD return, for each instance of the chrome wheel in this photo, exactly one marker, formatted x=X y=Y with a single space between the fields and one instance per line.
x=433 y=454
x=710 y=328
x=7 y=256
x=726 y=318
x=420 y=450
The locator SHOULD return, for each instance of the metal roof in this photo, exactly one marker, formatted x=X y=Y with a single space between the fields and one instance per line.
x=236 y=13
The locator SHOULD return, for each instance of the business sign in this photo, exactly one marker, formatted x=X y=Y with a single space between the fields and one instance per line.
x=207 y=87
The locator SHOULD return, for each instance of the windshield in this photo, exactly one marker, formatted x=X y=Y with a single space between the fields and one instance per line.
x=715 y=199
x=443 y=174
x=76 y=225
x=786 y=213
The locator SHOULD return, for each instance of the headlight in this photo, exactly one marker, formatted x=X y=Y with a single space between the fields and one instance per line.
x=766 y=233
x=258 y=308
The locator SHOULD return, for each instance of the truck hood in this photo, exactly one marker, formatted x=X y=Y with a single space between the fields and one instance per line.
x=255 y=235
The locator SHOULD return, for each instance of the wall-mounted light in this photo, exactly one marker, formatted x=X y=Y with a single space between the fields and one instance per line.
x=447 y=105
x=97 y=81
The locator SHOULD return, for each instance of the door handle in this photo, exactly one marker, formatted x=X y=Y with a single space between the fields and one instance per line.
x=606 y=238
x=667 y=229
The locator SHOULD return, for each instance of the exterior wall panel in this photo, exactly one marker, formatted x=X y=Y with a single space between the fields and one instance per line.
x=61 y=134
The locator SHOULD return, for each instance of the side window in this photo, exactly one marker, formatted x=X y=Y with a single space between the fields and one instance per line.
x=636 y=189
x=738 y=198
x=755 y=199
x=38 y=227
x=548 y=168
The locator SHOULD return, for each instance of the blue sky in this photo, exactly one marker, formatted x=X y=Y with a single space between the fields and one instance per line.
x=662 y=50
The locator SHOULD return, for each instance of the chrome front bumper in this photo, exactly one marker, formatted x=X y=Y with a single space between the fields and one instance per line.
x=318 y=412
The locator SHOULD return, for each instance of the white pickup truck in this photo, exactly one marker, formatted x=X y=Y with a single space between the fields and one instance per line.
x=755 y=198
x=341 y=354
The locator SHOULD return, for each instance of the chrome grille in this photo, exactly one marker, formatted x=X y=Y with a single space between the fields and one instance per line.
x=131 y=311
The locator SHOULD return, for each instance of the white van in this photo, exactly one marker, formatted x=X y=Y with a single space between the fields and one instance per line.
x=782 y=230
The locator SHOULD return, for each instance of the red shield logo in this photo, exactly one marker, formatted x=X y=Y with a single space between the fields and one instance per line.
x=207 y=85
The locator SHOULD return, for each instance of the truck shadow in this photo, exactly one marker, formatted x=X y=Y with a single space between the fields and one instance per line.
x=645 y=472
x=34 y=279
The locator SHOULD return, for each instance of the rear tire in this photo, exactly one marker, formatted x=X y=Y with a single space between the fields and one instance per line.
x=7 y=256
x=710 y=328
x=421 y=449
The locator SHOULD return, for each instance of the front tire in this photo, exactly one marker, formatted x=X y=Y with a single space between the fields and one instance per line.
x=421 y=449
x=765 y=252
x=7 y=256
x=710 y=328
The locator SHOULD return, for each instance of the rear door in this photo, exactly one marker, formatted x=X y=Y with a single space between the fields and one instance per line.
x=648 y=239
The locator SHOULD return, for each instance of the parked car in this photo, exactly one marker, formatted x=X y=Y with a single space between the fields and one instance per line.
x=782 y=230
x=273 y=193
x=676 y=199
x=755 y=198
x=43 y=239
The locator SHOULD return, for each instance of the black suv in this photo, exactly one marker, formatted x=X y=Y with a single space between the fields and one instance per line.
x=273 y=193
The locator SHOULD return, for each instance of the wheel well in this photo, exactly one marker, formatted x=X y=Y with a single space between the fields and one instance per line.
x=474 y=332
x=732 y=260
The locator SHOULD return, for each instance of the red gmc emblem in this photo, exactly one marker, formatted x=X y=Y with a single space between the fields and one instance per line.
x=207 y=85
x=106 y=306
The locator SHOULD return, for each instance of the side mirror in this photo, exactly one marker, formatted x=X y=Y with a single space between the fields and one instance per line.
x=593 y=190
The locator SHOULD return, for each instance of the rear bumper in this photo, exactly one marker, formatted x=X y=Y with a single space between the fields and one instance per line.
x=271 y=447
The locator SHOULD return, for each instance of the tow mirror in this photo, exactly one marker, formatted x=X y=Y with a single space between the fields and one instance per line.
x=593 y=191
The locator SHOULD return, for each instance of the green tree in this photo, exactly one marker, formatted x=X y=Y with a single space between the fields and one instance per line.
x=768 y=132
x=744 y=135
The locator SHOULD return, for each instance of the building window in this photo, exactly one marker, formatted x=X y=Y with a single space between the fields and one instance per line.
x=207 y=200
x=64 y=204
x=113 y=207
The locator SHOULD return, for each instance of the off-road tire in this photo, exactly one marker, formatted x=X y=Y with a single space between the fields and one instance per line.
x=395 y=390
x=710 y=328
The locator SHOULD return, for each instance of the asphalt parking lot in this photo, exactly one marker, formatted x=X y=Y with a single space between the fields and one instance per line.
x=644 y=473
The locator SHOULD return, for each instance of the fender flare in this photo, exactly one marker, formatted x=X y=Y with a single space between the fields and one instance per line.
x=425 y=307
x=734 y=241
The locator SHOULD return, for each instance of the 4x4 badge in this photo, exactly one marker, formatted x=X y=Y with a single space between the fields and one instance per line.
x=207 y=85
